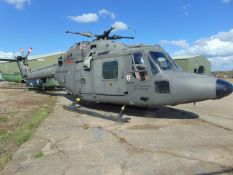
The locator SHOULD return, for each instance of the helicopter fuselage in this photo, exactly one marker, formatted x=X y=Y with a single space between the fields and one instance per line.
x=108 y=72
x=104 y=71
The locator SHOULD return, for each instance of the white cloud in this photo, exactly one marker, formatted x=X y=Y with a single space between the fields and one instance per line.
x=92 y=17
x=104 y=12
x=219 y=45
x=217 y=48
x=178 y=43
x=85 y=18
x=226 y=1
x=6 y=54
x=225 y=36
x=19 y=4
x=119 y=25
x=221 y=63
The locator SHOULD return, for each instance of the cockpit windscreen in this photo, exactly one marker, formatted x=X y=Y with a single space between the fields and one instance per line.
x=161 y=60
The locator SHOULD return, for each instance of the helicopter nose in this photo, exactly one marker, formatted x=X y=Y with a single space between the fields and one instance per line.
x=223 y=88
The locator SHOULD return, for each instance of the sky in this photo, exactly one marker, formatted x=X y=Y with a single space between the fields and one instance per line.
x=181 y=27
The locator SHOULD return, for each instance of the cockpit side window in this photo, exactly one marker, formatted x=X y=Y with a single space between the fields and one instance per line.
x=139 y=68
x=154 y=69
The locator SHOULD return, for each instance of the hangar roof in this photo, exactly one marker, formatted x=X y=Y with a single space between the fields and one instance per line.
x=180 y=57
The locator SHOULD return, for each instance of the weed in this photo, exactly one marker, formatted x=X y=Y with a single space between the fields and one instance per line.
x=86 y=126
x=38 y=154
x=99 y=127
x=4 y=118
x=6 y=157
x=122 y=140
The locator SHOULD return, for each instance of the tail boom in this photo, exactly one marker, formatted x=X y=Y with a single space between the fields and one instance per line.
x=44 y=72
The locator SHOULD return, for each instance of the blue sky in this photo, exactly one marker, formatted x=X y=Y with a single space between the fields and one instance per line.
x=184 y=27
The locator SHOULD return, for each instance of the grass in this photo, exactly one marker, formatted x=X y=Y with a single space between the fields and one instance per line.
x=10 y=141
x=4 y=159
x=99 y=127
x=21 y=135
x=38 y=154
x=4 y=118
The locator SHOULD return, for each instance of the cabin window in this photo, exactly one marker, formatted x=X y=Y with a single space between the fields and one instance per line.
x=162 y=87
x=110 y=70
x=139 y=68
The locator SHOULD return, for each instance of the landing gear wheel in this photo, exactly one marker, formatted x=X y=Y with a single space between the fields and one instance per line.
x=120 y=116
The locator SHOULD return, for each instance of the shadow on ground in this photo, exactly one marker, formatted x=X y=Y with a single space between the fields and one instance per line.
x=226 y=171
x=100 y=110
x=96 y=110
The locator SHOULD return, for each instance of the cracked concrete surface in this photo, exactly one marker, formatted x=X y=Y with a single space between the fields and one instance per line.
x=199 y=141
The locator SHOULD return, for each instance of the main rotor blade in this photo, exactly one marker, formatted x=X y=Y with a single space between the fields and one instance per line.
x=87 y=34
x=115 y=37
x=8 y=59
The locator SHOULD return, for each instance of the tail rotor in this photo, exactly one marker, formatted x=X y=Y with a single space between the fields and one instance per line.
x=23 y=57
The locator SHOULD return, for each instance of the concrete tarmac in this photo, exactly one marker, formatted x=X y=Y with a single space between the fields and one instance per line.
x=184 y=139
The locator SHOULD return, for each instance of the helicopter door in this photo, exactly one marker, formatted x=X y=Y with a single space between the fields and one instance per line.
x=108 y=77
x=139 y=67
x=138 y=81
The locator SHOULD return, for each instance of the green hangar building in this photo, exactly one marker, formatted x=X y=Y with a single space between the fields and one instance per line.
x=195 y=64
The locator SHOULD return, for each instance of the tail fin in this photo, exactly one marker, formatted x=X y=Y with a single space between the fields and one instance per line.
x=23 y=66
x=22 y=62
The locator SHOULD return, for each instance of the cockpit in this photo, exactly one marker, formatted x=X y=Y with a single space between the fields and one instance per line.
x=158 y=62
x=161 y=61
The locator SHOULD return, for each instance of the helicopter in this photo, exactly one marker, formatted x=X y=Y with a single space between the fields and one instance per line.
x=105 y=71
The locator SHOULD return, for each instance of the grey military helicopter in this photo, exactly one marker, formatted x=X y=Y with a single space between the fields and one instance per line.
x=105 y=71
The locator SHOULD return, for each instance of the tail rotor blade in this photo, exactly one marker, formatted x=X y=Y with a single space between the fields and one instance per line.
x=22 y=52
x=29 y=52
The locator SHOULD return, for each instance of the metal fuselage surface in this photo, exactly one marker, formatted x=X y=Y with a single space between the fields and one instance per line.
x=104 y=71
x=108 y=72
